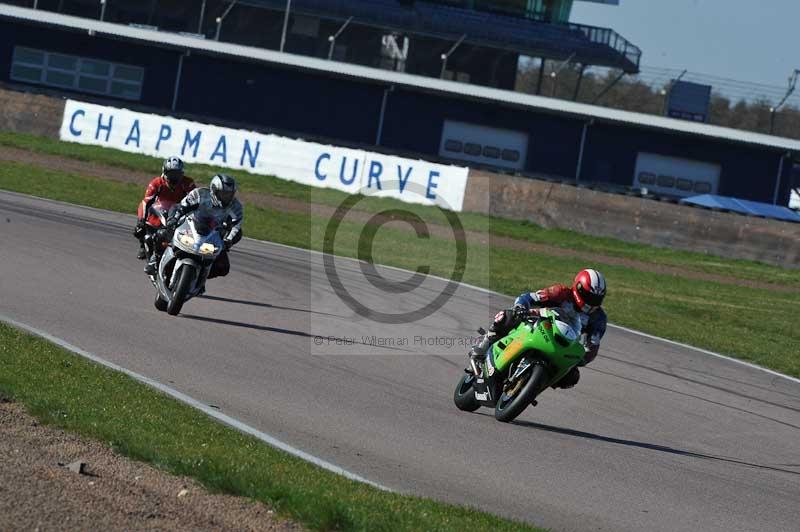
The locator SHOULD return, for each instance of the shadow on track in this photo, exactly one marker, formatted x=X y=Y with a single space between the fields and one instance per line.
x=278 y=330
x=266 y=305
x=645 y=445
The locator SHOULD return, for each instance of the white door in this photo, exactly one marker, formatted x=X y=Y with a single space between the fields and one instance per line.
x=482 y=144
x=675 y=176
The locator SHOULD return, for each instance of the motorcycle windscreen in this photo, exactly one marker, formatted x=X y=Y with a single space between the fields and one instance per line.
x=204 y=222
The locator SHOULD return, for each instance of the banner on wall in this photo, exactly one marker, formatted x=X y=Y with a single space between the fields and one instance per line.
x=309 y=163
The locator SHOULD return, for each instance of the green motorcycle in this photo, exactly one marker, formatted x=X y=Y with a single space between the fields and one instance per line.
x=520 y=366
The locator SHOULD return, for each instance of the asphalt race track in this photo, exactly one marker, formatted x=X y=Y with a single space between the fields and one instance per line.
x=655 y=436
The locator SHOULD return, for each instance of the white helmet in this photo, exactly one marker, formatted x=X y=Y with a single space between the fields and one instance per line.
x=223 y=190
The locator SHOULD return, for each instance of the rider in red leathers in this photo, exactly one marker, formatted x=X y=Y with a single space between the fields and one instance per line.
x=584 y=297
x=170 y=188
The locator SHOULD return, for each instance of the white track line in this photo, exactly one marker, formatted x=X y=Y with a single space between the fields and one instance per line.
x=194 y=403
x=473 y=287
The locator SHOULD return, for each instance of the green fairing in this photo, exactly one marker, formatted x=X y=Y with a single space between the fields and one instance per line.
x=540 y=340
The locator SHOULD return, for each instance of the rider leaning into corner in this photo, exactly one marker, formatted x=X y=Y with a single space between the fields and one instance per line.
x=170 y=187
x=218 y=200
x=584 y=297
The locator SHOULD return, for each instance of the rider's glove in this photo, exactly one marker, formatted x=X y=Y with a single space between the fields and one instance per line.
x=520 y=312
x=172 y=223
x=161 y=236
x=139 y=230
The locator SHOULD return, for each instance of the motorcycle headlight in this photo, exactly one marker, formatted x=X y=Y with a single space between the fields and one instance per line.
x=186 y=239
x=207 y=249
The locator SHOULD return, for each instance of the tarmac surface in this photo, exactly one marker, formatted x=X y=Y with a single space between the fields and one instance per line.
x=655 y=436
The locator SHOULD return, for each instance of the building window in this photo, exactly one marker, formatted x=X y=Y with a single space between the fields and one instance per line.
x=76 y=73
x=453 y=145
x=470 y=148
x=666 y=181
x=511 y=155
x=491 y=152
x=647 y=178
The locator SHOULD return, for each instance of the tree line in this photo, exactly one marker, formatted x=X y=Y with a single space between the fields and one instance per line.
x=632 y=94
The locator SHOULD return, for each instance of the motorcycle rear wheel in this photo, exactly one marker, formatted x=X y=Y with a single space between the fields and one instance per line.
x=464 y=396
x=508 y=408
x=181 y=290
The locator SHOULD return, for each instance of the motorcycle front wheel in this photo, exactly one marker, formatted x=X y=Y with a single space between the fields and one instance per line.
x=509 y=407
x=464 y=396
x=181 y=289
x=159 y=303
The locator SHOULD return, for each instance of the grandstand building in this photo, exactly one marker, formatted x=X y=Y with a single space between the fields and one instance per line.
x=395 y=86
x=481 y=39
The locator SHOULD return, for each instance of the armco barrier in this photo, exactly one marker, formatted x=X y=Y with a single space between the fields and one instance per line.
x=634 y=219
x=309 y=163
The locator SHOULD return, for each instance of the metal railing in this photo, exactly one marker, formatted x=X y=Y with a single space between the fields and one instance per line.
x=612 y=39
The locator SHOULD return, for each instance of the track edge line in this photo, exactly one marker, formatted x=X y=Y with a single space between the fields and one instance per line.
x=194 y=403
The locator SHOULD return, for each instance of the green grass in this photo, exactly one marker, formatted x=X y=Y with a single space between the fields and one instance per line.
x=66 y=391
x=517 y=229
x=750 y=324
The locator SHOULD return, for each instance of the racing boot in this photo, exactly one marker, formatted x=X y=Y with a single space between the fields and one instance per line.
x=142 y=253
x=478 y=352
x=152 y=265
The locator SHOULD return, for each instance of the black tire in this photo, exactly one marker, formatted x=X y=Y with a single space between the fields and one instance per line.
x=160 y=304
x=508 y=410
x=464 y=396
x=180 y=291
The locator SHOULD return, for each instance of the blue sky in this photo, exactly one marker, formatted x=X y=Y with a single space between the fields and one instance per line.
x=746 y=40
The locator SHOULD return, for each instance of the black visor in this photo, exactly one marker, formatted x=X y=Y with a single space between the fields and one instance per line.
x=594 y=300
x=173 y=176
x=226 y=196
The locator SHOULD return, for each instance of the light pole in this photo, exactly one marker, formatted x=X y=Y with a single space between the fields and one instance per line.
x=554 y=74
x=221 y=18
x=202 y=16
x=285 y=23
x=789 y=92
x=102 y=10
x=332 y=38
x=445 y=56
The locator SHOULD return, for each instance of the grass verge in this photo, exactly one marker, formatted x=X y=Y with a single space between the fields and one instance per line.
x=67 y=391
x=516 y=229
x=742 y=322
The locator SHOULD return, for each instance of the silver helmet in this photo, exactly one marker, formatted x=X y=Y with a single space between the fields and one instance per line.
x=223 y=189
x=172 y=171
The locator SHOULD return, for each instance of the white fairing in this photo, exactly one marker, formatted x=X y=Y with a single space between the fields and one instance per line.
x=567 y=321
x=566 y=330
x=200 y=242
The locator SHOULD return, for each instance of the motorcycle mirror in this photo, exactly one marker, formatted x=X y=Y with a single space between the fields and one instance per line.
x=481 y=330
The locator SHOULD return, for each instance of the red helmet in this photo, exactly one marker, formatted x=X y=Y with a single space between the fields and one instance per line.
x=589 y=289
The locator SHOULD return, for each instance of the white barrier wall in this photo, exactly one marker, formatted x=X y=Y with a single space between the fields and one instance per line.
x=309 y=163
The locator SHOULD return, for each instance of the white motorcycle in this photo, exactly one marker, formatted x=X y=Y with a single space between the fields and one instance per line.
x=186 y=262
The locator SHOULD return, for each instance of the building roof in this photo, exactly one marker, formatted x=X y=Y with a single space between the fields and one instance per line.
x=585 y=44
x=334 y=68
